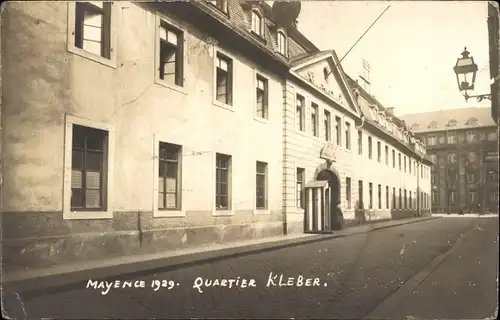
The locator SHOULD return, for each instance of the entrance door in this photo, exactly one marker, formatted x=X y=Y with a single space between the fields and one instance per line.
x=335 y=222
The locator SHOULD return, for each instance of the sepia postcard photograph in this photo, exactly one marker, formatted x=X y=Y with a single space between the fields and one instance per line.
x=237 y=159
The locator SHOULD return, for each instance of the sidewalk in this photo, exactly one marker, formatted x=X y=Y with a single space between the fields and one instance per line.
x=137 y=264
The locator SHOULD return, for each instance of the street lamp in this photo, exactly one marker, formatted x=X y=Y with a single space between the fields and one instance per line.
x=466 y=70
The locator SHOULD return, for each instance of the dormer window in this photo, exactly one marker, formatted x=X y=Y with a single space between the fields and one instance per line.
x=257 y=24
x=452 y=123
x=433 y=125
x=414 y=126
x=219 y=4
x=282 y=43
x=471 y=121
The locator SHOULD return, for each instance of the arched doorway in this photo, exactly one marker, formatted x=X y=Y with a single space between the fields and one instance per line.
x=333 y=179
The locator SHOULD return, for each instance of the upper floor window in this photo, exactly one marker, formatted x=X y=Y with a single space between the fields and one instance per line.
x=433 y=125
x=314 y=119
x=452 y=123
x=224 y=79
x=257 y=25
x=370 y=148
x=379 y=151
x=360 y=142
x=93 y=27
x=452 y=157
x=471 y=136
x=471 y=121
x=393 y=158
x=282 y=43
x=441 y=139
x=300 y=115
x=171 y=54
x=386 y=155
x=348 y=136
x=219 y=4
x=338 y=130
x=492 y=136
x=431 y=140
x=262 y=94
x=452 y=137
x=328 y=125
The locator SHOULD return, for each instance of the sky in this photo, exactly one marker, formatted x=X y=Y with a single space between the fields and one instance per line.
x=412 y=49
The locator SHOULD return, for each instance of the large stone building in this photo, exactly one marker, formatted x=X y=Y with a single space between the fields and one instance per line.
x=463 y=145
x=135 y=127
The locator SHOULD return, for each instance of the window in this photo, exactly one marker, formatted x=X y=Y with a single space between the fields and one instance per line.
x=222 y=181
x=471 y=121
x=93 y=27
x=360 y=142
x=171 y=54
x=404 y=163
x=471 y=177
x=220 y=4
x=452 y=137
x=431 y=140
x=300 y=101
x=88 y=169
x=452 y=123
x=387 y=197
x=338 y=130
x=433 y=179
x=328 y=126
x=409 y=165
x=379 y=152
x=360 y=195
x=300 y=187
x=453 y=196
x=224 y=79
x=400 y=199
x=406 y=201
x=472 y=157
x=348 y=192
x=261 y=186
x=441 y=139
x=461 y=137
x=452 y=157
x=472 y=197
x=169 y=183
x=370 y=148
x=262 y=94
x=380 y=196
x=433 y=125
x=432 y=157
x=348 y=136
x=471 y=136
x=314 y=119
x=394 y=198
x=386 y=155
x=434 y=197
x=282 y=43
x=414 y=126
x=370 y=194
x=492 y=136
x=257 y=23
x=393 y=158
x=399 y=161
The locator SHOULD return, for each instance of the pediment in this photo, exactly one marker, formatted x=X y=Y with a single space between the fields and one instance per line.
x=329 y=78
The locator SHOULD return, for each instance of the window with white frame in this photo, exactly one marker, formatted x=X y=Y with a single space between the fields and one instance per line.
x=348 y=192
x=222 y=181
x=169 y=173
x=328 y=125
x=452 y=137
x=88 y=169
x=431 y=140
x=379 y=151
x=262 y=93
x=257 y=25
x=380 y=196
x=261 y=186
x=300 y=181
x=282 y=43
x=219 y=4
x=471 y=136
x=360 y=142
x=93 y=27
x=393 y=158
x=386 y=155
x=452 y=157
x=224 y=79
x=370 y=195
x=348 y=136
x=370 y=148
x=338 y=130
x=387 y=197
x=299 y=112
x=171 y=59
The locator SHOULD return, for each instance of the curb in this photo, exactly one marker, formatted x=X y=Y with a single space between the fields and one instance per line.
x=65 y=281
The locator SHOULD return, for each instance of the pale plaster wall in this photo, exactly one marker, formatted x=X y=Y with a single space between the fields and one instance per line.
x=46 y=82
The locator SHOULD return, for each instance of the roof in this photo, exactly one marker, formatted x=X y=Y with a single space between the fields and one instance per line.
x=453 y=119
x=305 y=57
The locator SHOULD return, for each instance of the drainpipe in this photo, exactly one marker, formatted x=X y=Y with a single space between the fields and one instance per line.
x=362 y=123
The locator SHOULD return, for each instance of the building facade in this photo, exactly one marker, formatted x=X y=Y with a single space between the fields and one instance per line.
x=463 y=145
x=142 y=127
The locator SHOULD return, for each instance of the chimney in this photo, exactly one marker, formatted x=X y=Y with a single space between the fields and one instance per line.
x=390 y=111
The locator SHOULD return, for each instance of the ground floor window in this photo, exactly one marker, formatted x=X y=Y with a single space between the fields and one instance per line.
x=222 y=180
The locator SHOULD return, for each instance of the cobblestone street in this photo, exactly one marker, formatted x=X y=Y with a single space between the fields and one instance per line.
x=355 y=274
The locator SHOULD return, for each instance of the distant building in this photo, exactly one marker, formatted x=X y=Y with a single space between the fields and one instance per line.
x=494 y=44
x=140 y=127
x=463 y=145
